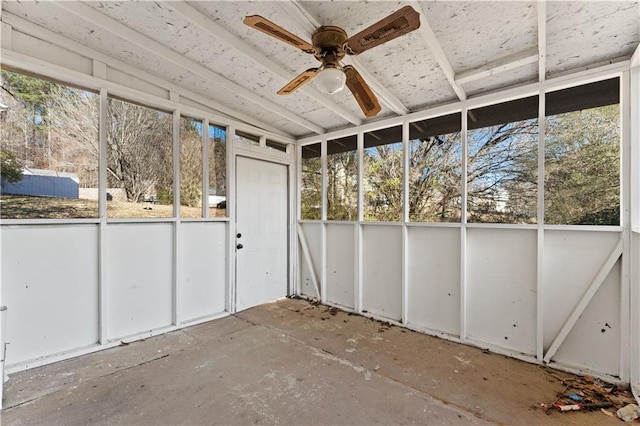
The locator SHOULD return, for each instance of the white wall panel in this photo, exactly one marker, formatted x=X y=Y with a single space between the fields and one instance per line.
x=571 y=261
x=382 y=271
x=341 y=264
x=594 y=342
x=50 y=287
x=139 y=278
x=202 y=269
x=313 y=234
x=501 y=288
x=433 y=280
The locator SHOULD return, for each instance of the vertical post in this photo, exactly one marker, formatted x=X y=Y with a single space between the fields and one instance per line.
x=625 y=221
x=231 y=213
x=3 y=348
x=323 y=216
x=102 y=213
x=205 y=168
x=325 y=179
x=634 y=161
x=292 y=216
x=176 y=214
x=540 y=229
x=463 y=227
x=542 y=75
x=359 y=305
x=405 y=219
x=298 y=216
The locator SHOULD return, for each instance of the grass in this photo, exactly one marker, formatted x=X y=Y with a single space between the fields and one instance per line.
x=28 y=207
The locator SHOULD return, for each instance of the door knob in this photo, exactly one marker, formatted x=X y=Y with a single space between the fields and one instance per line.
x=238 y=235
x=239 y=246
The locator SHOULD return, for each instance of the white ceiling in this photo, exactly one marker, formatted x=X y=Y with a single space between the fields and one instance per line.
x=462 y=49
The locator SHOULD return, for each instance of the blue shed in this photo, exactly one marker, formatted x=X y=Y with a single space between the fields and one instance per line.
x=45 y=183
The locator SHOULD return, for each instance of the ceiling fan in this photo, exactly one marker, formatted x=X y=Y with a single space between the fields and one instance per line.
x=329 y=44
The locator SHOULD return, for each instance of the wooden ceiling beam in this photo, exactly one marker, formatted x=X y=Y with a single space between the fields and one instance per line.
x=542 y=41
x=511 y=62
x=436 y=49
x=117 y=28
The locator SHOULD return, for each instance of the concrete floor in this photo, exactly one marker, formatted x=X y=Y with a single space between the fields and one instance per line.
x=289 y=362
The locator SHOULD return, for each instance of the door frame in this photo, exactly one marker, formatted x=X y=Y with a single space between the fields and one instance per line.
x=259 y=153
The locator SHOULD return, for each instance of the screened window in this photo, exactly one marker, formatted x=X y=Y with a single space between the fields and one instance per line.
x=247 y=138
x=342 y=179
x=435 y=158
x=383 y=171
x=503 y=162
x=311 y=191
x=217 y=171
x=50 y=149
x=190 y=168
x=139 y=161
x=276 y=145
x=582 y=155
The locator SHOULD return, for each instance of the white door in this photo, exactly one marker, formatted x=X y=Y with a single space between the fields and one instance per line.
x=261 y=232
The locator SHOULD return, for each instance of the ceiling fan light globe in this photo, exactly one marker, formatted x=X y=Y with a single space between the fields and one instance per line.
x=330 y=80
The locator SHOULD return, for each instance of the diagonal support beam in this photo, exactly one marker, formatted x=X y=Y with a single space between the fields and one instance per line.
x=303 y=18
x=584 y=302
x=89 y=14
x=209 y=25
x=430 y=38
x=307 y=257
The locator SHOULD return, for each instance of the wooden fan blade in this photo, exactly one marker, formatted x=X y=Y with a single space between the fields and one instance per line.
x=362 y=92
x=297 y=82
x=401 y=22
x=276 y=31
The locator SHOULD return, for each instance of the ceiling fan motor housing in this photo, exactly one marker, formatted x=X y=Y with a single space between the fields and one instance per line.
x=329 y=40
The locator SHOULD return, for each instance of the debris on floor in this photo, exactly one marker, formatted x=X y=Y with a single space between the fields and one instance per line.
x=332 y=310
x=629 y=412
x=586 y=393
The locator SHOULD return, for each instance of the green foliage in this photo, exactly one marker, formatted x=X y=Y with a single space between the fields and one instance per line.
x=582 y=167
x=35 y=95
x=311 y=191
x=165 y=195
x=32 y=91
x=383 y=183
x=342 y=186
x=10 y=167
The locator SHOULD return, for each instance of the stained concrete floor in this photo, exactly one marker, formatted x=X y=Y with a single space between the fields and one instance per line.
x=288 y=362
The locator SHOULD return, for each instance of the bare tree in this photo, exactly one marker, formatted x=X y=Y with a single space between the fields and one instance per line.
x=139 y=151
